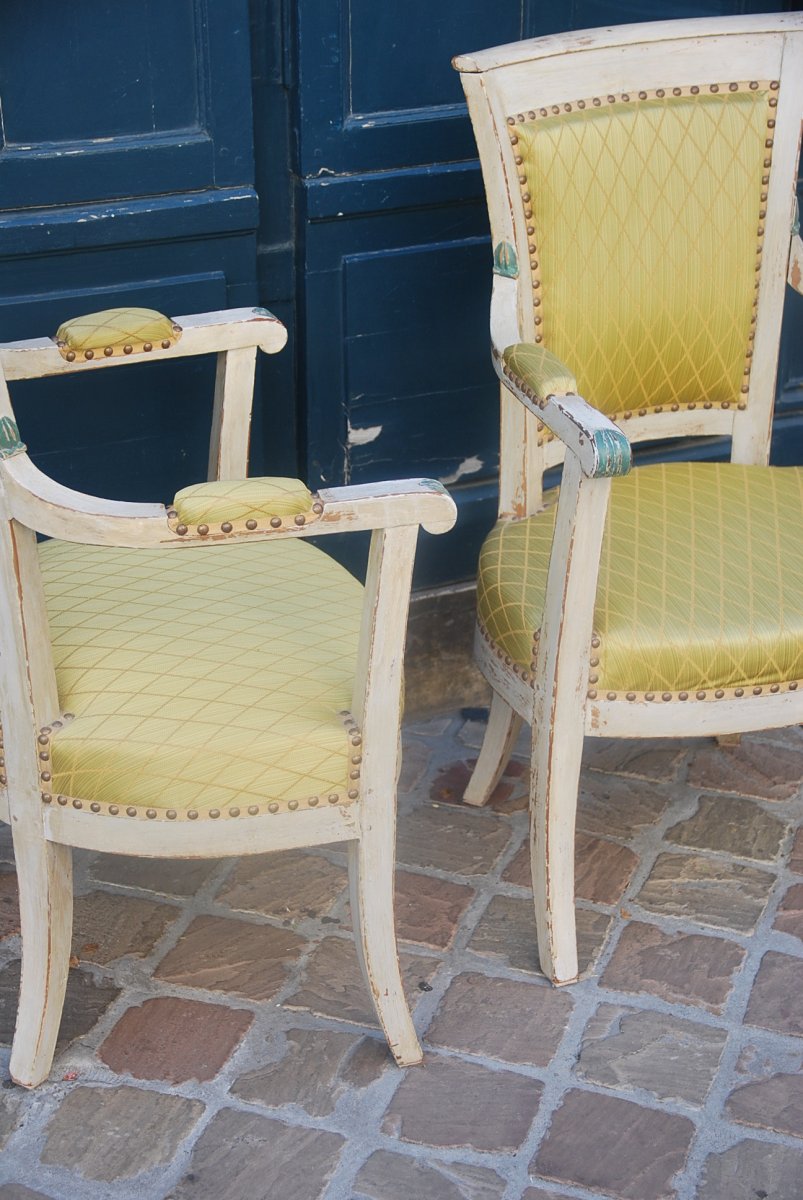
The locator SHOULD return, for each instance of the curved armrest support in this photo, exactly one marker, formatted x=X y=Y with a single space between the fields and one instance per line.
x=795 y=274
x=541 y=381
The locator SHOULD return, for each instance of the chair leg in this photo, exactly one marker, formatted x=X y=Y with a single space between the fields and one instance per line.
x=557 y=751
x=371 y=878
x=503 y=729
x=44 y=873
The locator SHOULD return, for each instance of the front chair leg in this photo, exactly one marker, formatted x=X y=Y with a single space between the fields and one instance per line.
x=371 y=877
x=504 y=725
x=44 y=873
x=557 y=752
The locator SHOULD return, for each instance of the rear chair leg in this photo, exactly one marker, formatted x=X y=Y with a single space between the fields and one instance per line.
x=503 y=729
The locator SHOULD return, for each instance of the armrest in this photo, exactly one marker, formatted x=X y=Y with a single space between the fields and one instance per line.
x=541 y=381
x=200 y=333
x=40 y=503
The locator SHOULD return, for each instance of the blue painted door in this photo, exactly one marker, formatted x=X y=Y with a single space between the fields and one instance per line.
x=126 y=177
x=394 y=253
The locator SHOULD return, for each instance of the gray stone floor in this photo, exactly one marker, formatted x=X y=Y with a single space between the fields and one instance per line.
x=218 y=1044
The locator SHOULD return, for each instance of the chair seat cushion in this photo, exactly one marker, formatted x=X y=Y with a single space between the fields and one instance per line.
x=700 y=584
x=202 y=678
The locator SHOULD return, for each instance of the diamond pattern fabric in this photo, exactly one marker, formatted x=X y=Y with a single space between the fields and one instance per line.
x=241 y=500
x=115 y=328
x=700 y=584
x=201 y=678
x=646 y=243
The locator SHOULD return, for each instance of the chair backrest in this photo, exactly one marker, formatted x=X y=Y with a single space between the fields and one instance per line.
x=640 y=183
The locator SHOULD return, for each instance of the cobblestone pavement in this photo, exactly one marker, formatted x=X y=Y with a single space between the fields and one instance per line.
x=218 y=1043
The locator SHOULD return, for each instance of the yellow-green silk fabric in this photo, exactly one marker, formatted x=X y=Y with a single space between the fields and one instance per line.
x=646 y=228
x=201 y=678
x=700 y=583
x=259 y=498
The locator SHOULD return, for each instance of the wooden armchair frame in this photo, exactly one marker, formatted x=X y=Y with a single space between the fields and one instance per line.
x=545 y=424
x=44 y=832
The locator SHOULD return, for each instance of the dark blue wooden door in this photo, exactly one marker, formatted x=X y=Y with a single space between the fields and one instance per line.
x=394 y=251
x=126 y=177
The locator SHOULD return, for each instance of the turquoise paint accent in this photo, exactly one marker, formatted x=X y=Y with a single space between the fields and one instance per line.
x=613 y=453
x=10 y=443
x=505 y=261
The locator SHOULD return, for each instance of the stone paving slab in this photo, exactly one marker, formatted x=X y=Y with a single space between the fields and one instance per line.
x=218 y=1042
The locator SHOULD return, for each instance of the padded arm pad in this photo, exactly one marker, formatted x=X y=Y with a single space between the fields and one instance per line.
x=114 y=332
x=541 y=381
x=270 y=502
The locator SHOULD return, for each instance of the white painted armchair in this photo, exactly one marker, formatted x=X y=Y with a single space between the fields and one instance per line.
x=640 y=183
x=196 y=680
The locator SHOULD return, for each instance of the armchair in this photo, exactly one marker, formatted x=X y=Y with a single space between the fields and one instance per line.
x=195 y=680
x=640 y=183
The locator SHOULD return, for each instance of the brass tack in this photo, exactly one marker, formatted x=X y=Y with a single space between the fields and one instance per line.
x=2 y=780
x=226 y=527
x=528 y=212
x=522 y=178
x=113 y=810
x=692 y=405
x=128 y=349
x=273 y=808
x=234 y=812
x=70 y=356
x=251 y=524
x=511 y=120
x=741 y=406
x=89 y=354
x=683 y=695
x=676 y=91
x=774 y=688
x=166 y=344
x=171 y=814
x=147 y=346
x=642 y=412
x=726 y=404
x=744 y=388
x=611 y=695
x=627 y=415
x=176 y=328
x=43 y=754
x=292 y=805
x=695 y=90
x=714 y=87
x=774 y=85
x=596 y=101
x=753 y=85
x=595 y=642
x=592 y=694
x=765 y=179
x=43 y=739
x=793 y=686
x=203 y=530
x=593 y=662
x=543 y=112
x=46 y=797
x=556 y=108
x=181 y=530
x=767 y=162
x=192 y=815
x=719 y=693
x=733 y=87
x=611 y=99
x=150 y=813
x=659 y=408
x=514 y=141
x=593 y=678
x=708 y=404
x=526 y=197
x=356 y=758
x=567 y=108
x=531 y=115
x=333 y=799
x=642 y=95
x=313 y=801
x=253 y=809
x=666 y=695
x=214 y=813
x=757 y=691
x=675 y=407
x=773 y=103
x=45 y=775
x=353 y=794
x=108 y=351
x=354 y=774
x=660 y=93
x=131 y=811
x=62 y=800
x=300 y=519
x=356 y=741
x=518 y=161
x=701 y=695
x=625 y=96
x=171 y=514
x=317 y=508
x=631 y=695
x=649 y=695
